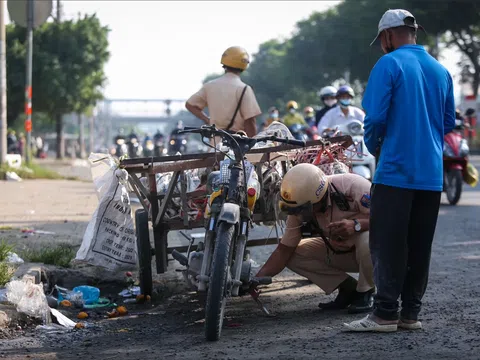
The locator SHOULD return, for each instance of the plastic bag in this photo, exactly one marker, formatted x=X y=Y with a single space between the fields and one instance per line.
x=90 y=294
x=101 y=168
x=109 y=240
x=276 y=128
x=28 y=298
x=13 y=258
x=163 y=181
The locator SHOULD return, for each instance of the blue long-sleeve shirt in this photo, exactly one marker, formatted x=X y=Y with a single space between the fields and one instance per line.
x=409 y=106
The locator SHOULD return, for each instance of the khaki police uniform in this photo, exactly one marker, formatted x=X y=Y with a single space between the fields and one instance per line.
x=221 y=96
x=312 y=258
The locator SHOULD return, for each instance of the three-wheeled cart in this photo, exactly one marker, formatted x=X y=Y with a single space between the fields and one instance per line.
x=155 y=205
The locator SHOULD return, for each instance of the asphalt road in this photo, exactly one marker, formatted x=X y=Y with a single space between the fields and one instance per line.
x=299 y=330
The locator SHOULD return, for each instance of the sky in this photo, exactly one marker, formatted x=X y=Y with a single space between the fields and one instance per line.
x=164 y=49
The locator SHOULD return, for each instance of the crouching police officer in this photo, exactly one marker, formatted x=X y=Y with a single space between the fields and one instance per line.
x=326 y=235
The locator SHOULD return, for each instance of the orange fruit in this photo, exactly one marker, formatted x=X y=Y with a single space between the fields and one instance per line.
x=82 y=315
x=79 y=325
x=65 y=303
x=122 y=310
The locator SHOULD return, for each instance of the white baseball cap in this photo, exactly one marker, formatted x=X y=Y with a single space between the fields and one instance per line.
x=395 y=18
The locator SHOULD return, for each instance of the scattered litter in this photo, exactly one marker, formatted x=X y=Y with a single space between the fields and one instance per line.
x=3 y=295
x=52 y=301
x=234 y=325
x=13 y=258
x=132 y=291
x=43 y=232
x=28 y=231
x=28 y=298
x=62 y=319
x=90 y=294
x=52 y=328
x=129 y=301
x=12 y=176
x=68 y=298
x=101 y=302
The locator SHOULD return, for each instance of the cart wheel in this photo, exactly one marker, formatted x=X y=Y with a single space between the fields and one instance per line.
x=144 y=251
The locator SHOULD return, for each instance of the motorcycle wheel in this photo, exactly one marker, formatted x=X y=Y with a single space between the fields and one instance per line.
x=218 y=287
x=454 y=186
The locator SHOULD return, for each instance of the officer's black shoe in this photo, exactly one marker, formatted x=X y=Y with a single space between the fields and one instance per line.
x=346 y=295
x=363 y=302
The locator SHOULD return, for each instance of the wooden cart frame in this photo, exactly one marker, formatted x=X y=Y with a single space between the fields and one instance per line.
x=155 y=205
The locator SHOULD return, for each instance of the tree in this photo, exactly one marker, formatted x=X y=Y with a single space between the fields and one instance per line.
x=68 y=62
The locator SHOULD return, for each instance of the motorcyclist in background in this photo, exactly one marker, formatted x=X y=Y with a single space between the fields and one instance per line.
x=272 y=116
x=328 y=97
x=344 y=113
x=292 y=117
x=158 y=136
x=309 y=116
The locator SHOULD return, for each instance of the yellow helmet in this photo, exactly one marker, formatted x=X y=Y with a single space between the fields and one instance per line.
x=292 y=104
x=235 y=57
x=302 y=184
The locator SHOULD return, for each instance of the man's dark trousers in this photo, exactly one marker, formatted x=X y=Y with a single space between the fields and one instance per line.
x=402 y=226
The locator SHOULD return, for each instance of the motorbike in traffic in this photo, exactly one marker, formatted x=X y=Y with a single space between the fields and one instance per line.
x=177 y=144
x=363 y=163
x=135 y=150
x=456 y=167
x=120 y=147
x=302 y=132
x=149 y=148
x=220 y=267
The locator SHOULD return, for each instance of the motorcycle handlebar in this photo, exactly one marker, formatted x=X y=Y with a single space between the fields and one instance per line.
x=210 y=129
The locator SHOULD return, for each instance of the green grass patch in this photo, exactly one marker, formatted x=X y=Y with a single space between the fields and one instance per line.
x=6 y=271
x=59 y=255
x=34 y=171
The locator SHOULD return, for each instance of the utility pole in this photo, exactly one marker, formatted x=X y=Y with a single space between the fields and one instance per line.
x=28 y=83
x=3 y=87
x=59 y=11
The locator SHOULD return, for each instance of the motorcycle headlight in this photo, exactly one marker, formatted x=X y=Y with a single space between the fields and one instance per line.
x=448 y=151
x=184 y=141
x=355 y=128
x=150 y=146
x=172 y=142
x=464 y=149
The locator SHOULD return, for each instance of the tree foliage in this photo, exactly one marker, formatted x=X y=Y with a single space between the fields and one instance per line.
x=68 y=68
x=332 y=47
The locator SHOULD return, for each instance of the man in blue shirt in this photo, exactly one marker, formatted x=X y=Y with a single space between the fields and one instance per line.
x=409 y=107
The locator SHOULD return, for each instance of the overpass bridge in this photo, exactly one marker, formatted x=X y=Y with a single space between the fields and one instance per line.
x=146 y=115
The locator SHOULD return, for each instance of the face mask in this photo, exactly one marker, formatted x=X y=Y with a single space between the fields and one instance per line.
x=345 y=102
x=274 y=115
x=330 y=102
x=292 y=111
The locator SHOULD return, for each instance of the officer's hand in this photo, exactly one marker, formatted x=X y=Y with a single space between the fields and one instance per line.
x=342 y=228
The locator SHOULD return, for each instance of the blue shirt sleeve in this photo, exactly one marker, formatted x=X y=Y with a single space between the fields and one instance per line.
x=376 y=101
x=449 y=116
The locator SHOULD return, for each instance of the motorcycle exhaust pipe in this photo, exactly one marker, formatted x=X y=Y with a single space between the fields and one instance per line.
x=182 y=259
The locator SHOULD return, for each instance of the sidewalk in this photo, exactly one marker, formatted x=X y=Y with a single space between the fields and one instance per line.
x=59 y=206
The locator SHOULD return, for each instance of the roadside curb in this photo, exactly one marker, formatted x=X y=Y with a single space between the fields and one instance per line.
x=32 y=272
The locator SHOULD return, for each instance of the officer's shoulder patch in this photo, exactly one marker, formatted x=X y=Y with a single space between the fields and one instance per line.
x=365 y=201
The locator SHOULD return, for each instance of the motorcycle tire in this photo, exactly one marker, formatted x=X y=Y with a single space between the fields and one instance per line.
x=144 y=250
x=217 y=286
x=454 y=186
